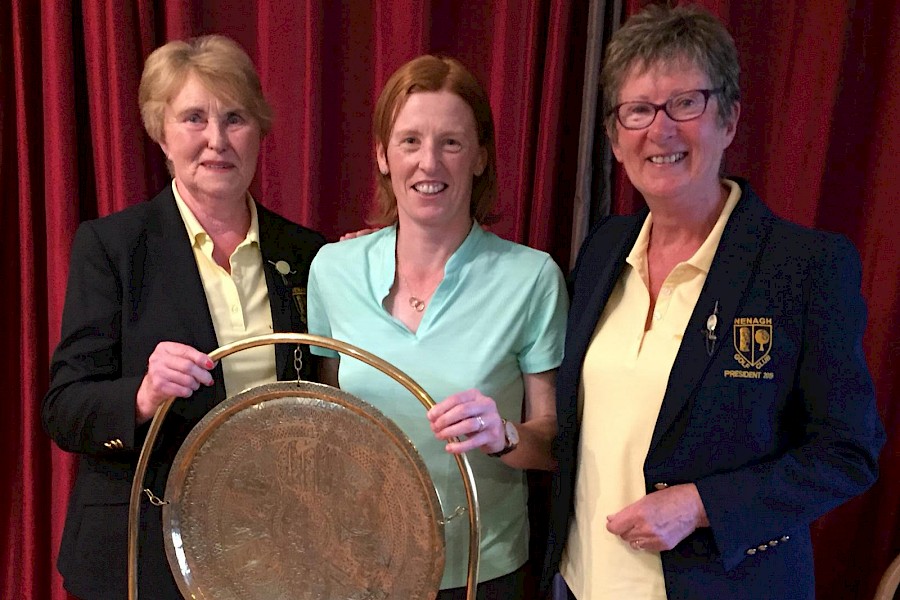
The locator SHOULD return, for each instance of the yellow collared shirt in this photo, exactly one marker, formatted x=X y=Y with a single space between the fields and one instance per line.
x=238 y=301
x=624 y=378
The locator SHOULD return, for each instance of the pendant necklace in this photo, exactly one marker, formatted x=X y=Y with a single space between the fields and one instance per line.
x=417 y=304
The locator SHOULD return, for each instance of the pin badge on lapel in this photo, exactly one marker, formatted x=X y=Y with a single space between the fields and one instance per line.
x=298 y=293
x=284 y=269
x=709 y=333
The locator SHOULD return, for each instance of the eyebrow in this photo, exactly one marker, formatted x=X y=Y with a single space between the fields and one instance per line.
x=677 y=92
x=200 y=110
x=189 y=110
x=413 y=131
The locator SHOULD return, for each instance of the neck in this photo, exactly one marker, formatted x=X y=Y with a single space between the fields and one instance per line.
x=684 y=221
x=423 y=251
x=218 y=216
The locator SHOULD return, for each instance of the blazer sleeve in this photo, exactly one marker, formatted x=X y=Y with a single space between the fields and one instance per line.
x=837 y=455
x=89 y=402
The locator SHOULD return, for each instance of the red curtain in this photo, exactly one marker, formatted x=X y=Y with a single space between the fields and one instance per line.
x=818 y=91
x=818 y=140
x=74 y=148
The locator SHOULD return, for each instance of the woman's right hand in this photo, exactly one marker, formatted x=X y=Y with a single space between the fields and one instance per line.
x=359 y=233
x=173 y=370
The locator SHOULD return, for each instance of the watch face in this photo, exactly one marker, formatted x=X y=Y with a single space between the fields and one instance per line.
x=512 y=434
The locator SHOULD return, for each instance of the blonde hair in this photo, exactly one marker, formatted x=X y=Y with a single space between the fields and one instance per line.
x=429 y=73
x=218 y=62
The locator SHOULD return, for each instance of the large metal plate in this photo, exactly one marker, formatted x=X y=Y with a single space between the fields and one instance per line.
x=300 y=490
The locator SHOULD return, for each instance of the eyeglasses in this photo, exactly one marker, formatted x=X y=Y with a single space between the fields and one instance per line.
x=683 y=107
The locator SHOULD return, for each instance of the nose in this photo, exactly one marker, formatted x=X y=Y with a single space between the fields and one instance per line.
x=662 y=127
x=216 y=136
x=428 y=157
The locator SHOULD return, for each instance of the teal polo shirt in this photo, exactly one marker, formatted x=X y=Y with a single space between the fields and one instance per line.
x=498 y=313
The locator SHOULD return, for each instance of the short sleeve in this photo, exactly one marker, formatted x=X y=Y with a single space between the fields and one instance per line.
x=317 y=302
x=546 y=325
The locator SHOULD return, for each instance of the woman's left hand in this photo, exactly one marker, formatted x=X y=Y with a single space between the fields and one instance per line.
x=660 y=520
x=470 y=414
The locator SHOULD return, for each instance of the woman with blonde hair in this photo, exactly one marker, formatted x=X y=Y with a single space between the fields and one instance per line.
x=155 y=287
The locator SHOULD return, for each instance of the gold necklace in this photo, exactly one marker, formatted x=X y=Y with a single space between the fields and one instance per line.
x=415 y=302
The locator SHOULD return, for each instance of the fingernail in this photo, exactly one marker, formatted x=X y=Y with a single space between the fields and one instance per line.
x=209 y=364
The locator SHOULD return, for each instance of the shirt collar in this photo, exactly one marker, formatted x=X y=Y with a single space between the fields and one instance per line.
x=703 y=257
x=388 y=241
x=197 y=233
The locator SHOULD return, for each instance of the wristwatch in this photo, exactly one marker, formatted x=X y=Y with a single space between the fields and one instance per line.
x=512 y=439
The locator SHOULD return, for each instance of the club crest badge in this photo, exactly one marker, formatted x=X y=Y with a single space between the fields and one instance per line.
x=753 y=341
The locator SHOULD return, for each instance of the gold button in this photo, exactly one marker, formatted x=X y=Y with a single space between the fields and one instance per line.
x=773 y=542
x=107 y=444
x=763 y=547
x=660 y=485
x=785 y=538
x=751 y=551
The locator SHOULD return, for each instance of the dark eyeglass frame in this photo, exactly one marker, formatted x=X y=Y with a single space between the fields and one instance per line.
x=664 y=107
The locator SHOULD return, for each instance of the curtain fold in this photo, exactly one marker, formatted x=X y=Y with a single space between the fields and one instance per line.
x=817 y=138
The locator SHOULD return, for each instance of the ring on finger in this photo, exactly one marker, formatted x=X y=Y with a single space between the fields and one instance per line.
x=480 y=423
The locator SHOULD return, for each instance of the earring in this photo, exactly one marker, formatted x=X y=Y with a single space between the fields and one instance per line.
x=384 y=170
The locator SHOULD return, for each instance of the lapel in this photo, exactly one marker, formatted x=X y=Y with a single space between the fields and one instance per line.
x=285 y=317
x=732 y=271
x=600 y=269
x=168 y=242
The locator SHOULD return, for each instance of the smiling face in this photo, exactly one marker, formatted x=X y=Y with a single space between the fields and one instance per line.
x=432 y=156
x=671 y=160
x=212 y=144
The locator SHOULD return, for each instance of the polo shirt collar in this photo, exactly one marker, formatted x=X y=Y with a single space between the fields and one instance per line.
x=387 y=249
x=197 y=234
x=703 y=257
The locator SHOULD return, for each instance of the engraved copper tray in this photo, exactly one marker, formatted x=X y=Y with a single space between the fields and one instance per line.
x=300 y=490
x=247 y=515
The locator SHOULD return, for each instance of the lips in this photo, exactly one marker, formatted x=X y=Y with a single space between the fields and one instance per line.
x=429 y=188
x=217 y=165
x=667 y=159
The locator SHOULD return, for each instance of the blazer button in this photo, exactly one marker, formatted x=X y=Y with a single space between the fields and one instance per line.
x=763 y=547
x=660 y=485
x=751 y=551
x=785 y=538
x=108 y=445
x=773 y=542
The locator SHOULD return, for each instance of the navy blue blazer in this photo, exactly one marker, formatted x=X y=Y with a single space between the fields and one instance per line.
x=133 y=282
x=776 y=426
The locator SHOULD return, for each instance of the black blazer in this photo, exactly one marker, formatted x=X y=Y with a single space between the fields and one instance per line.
x=133 y=282
x=772 y=440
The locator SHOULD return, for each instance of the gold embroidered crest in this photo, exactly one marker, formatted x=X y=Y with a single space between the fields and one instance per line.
x=753 y=341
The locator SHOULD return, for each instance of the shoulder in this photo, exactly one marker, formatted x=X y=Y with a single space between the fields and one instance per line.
x=807 y=240
x=131 y=224
x=494 y=245
x=613 y=230
x=271 y=224
x=788 y=246
x=514 y=258
x=354 y=254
